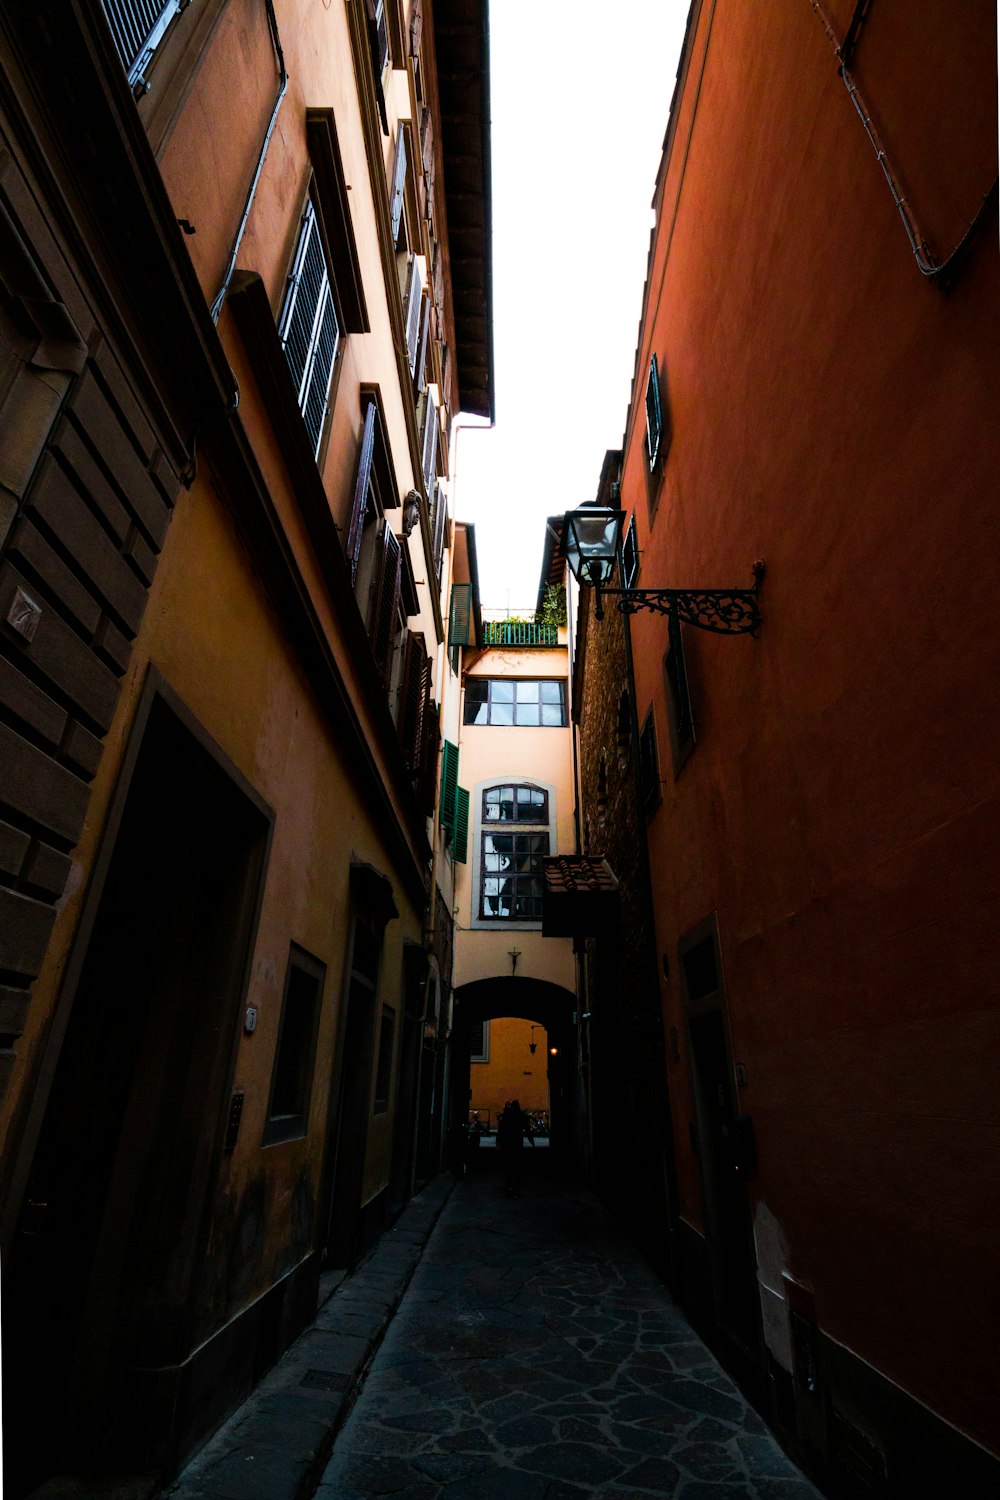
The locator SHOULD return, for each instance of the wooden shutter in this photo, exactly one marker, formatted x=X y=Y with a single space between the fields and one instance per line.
x=460 y=839
x=460 y=615
x=413 y=692
x=429 y=459
x=449 y=785
x=414 y=304
x=357 y=524
x=398 y=185
x=385 y=604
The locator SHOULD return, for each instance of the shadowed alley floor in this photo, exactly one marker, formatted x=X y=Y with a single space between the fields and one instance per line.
x=535 y=1356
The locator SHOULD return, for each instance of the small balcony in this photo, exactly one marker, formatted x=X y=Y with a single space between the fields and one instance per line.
x=519 y=633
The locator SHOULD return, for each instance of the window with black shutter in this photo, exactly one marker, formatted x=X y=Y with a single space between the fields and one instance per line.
x=679 y=715
x=414 y=682
x=309 y=327
x=630 y=556
x=654 y=414
x=384 y=618
x=440 y=525
x=649 y=765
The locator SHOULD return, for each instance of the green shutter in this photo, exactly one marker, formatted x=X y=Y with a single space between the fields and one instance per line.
x=449 y=785
x=460 y=839
x=460 y=617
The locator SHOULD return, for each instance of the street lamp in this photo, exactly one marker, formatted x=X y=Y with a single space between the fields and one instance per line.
x=591 y=543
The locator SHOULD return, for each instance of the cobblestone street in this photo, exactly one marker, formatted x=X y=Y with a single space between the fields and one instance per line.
x=536 y=1356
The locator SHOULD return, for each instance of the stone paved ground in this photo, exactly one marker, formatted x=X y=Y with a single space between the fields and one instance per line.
x=536 y=1357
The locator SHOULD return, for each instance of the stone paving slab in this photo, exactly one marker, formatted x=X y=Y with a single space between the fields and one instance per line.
x=275 y=1445
x=535 y=1356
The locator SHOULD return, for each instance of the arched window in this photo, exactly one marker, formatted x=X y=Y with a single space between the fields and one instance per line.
x=511 y=878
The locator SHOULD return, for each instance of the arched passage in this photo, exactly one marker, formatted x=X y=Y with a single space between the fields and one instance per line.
x=546 y=1004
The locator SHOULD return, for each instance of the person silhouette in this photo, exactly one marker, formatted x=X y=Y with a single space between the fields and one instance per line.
x=512 y=1128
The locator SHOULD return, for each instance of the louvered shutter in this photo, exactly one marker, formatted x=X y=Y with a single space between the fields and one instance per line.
x=385 y=606
x=429 y=457
x=308 y=328
x=460 y=839
x=138 y=27
x=460 y=615
x=414 y=303
x=419 y=383
x=357 y=525
x=437 y=279
x=398 y=185
x=654 y=417
x=411 y=700
x=449 y=785
x=440 y=528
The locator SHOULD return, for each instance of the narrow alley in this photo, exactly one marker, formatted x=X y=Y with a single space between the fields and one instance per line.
x=532 y=1355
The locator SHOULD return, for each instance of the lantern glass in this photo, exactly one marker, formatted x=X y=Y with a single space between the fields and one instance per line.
x=591 y=537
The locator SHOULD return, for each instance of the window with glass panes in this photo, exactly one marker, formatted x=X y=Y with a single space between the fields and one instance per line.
x=512 y=877
x=526 y=702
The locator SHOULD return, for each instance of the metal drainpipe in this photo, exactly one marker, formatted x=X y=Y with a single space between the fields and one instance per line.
x=220 y=295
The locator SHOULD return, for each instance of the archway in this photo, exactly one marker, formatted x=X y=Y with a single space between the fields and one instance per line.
x=545 y=1005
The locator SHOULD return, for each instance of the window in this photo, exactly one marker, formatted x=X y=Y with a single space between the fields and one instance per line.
x=138 y=27
x=515 y=804
x=383 y=1069
x=374 y=552
x=519 y=701
x=654 y=414
x=479 y=1041
x=512 y=877
x=649 y=765
x=309 y=327
x=630 y=556
x=439 y=522
x=291 y=1079
x=679 y=714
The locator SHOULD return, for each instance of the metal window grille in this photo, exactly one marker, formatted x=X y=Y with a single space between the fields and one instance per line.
x=138 y=27
x=309 y=328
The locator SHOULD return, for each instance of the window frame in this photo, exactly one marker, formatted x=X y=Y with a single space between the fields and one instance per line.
x=288 y=1125
x=630 y=555
x=514 y=701
x=545 y=827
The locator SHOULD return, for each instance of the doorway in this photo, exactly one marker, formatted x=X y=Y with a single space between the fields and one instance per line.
x=105 y=1288
x=721 y=1134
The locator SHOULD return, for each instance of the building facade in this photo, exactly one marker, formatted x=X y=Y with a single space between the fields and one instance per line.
x=509 y=776
x=815 y=385
x=246 y=270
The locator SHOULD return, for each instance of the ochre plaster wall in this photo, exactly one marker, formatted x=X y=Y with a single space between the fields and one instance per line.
x=512 y=1072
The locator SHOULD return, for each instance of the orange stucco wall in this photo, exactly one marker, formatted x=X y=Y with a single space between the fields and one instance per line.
x=835 y=414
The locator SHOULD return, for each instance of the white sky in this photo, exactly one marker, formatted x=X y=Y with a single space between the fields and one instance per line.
x=580 y=98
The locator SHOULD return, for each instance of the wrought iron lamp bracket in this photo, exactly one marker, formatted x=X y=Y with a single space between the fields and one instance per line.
x=721 y=611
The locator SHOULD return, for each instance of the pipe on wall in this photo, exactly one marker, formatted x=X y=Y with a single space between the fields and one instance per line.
x=220 y=295
x=927 y=264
